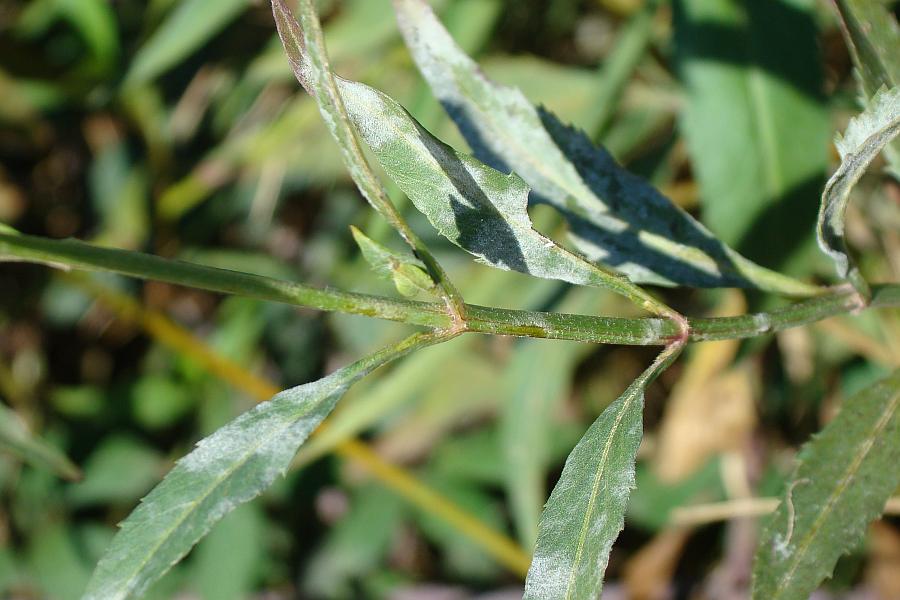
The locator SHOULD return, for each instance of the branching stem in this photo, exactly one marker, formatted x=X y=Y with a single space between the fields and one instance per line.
x=648 y=331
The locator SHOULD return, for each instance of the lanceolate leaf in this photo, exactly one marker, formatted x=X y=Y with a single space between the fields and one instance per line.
x=586 y=510
x=873 y=37
x=476 y=207
x=230 y=467
x=843 y=479
x=616 y=218
x=866 y=135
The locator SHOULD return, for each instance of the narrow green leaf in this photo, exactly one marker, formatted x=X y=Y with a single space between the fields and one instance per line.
x=16 y=438
x=407 y=272
x=616 y=218
x=866 y=135
x=586 y=510
x=190 y=24
x=873 y=37
x=754 y=120
x=230 y=467
x=844 y=477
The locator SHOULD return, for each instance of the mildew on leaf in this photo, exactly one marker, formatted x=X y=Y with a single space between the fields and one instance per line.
x=866 y=136
x=586 y=510
x=230 y=467
x=616 y=218
x=475 y=206
x=843 y=478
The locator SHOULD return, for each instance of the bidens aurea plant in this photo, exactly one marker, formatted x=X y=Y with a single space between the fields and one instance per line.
x=624 y=232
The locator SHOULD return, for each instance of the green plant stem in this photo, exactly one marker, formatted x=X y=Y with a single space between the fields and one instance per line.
x=68 y=254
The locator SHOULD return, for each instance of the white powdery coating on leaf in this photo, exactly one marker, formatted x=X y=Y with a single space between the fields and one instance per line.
x=653 y=331
x=226 y=469
x=616 y=217
x=448 y=70
x=447 y=186
x=866 y=135
x=883 y=110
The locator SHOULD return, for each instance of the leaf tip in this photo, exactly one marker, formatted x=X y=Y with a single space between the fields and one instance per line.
x=292 y=40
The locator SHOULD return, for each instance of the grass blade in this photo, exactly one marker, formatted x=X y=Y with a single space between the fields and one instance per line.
x=866 y=135
x=873 y=38
x=16 y=438
x=586 y=510
x=616 y=218
x=844 y=477
x=232 y=466
x=190 y=24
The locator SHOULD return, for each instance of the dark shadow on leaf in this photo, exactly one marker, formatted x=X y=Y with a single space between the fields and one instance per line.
x=487 y=236
x=627 y=197
x=480 y=148
x=483 y=230
x=785 y=226
x=644 y=209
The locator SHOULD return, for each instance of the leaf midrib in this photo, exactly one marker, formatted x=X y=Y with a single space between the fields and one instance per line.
x=127 y=584
x=848 y=474
x=582 y=536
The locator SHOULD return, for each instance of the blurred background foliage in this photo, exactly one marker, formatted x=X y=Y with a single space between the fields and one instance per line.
x=175 y=127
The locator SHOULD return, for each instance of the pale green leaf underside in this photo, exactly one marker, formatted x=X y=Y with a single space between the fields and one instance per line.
x=874 y=40
x=616 y=218
x=866 y=135
x=16 y=438
x=843 y=479
x=230 y=467
x=586 y=510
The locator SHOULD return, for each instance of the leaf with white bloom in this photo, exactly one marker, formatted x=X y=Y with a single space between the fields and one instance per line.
x=873 y=38
x=473 y=205
x=616 y=218
x=844 y=477
x=230 y=467
x=586 y=510
x=866 y=135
